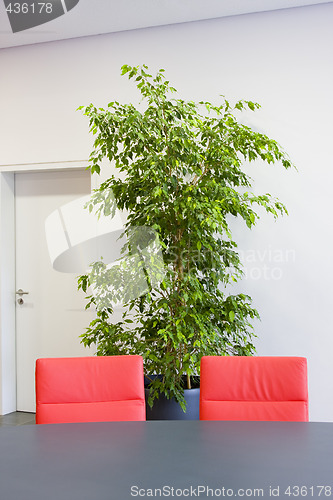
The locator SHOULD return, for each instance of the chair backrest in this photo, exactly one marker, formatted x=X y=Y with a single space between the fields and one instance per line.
x=89 y=389
x=253 y=388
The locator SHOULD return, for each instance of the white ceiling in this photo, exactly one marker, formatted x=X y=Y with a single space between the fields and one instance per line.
x=93 y=17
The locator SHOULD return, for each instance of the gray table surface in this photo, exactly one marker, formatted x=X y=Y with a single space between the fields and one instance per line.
x=166 y=459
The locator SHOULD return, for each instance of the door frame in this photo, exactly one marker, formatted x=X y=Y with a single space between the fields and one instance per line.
x=7 y=274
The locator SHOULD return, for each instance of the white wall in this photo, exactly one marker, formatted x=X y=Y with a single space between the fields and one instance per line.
x=281 y=59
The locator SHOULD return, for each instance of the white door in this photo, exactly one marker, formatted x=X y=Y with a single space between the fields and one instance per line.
x=52 y=315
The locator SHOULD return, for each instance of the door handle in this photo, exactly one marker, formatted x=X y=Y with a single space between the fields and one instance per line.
x=20 y=292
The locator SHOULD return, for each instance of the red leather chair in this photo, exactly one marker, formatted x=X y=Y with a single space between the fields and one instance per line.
x=253 y=388
x=89 y=389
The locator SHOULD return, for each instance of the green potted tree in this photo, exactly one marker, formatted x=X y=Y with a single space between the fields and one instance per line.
x=181 y=179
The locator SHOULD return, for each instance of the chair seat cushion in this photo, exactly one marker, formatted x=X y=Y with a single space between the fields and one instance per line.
x=103 y=411
x=288 y=411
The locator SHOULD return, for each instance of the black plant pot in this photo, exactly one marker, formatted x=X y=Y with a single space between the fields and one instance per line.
x=169 y=409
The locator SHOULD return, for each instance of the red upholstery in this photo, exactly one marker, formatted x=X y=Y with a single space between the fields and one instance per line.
x=253 y=388
x=89 y=389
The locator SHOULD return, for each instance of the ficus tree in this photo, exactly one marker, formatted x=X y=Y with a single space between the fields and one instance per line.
x=182 y=176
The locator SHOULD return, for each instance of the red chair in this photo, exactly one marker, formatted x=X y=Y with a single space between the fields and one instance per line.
x=253 y=388
x=89 y=389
